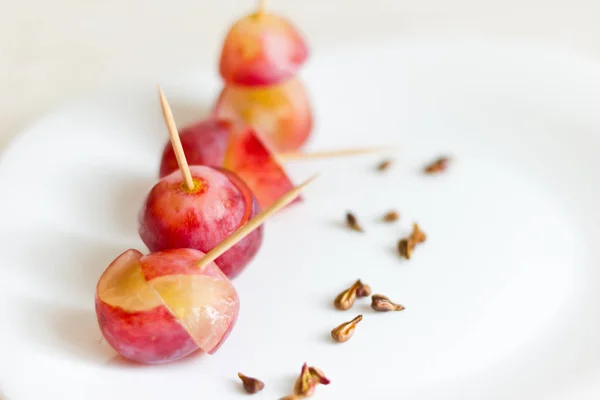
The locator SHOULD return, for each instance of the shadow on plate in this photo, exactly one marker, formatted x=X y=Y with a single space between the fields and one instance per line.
x=237 y=385
x=65 y=265
x=109 y=203
x=285 y=385
x=325 y=336
x=341 y=225
x=126 y=198
x=73 y=332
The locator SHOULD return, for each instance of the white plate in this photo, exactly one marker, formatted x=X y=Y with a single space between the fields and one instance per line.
x=502 y=302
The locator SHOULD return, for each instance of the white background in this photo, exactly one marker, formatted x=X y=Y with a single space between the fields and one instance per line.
x=53 y=51
x=479 y=324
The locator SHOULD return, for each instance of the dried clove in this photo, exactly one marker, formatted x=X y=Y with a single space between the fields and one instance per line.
x=406 y=246
x=417 y=235
x=385 y=164
x=391 y=216
x=318 y=376
x=382 y=303
x=437 y=166
x=306 y=382
x=251 y=385
x=345 y=300
x=352 y=222
x=363 y=290
x=345 y=331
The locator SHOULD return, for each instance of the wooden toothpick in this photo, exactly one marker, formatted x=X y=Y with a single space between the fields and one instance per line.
x=252 y=224
x=290 y=156
x=176 y=141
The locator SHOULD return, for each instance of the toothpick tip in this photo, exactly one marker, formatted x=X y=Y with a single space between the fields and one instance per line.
x=161 y=95
x=309 y=180
x=290 y=156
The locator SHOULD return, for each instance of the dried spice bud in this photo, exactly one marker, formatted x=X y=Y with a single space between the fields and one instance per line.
x=405 y=247
x=417 y=235
x=305 y=384
x=251 y=385
x=391 y=216
x=352 y=222
x=345 y=300
x=439 y=165
x=318 y=376
x=385 y=164
x=345 y=331
x=363 y=290
x=381 y=303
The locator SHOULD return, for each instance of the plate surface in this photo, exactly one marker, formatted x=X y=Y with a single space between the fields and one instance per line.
x=502 y=301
